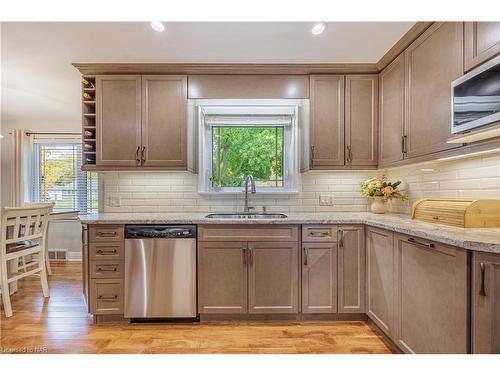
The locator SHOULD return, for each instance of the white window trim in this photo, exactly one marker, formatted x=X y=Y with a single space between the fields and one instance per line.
x=291 y=157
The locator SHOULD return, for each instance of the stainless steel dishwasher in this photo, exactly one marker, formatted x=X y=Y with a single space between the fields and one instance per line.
x=160 y=271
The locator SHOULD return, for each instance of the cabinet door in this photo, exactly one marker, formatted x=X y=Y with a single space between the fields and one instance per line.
x=431 y=297
x=361 y=119
x=164 y=122
x=222 y=278
x=327 y=120
x=273 y=281
x=118 y=120
x=351 y=269
x=319 y=277
x=486 y=303
x=433 y=61
x=392 y=111
x=482 y=42
x=380 y=272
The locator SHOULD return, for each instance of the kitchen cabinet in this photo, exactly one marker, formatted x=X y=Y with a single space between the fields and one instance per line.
x=118 y=120
x=141 y=121
x=319 y=277
x=380 y=274
x=361 y=120
x=327 y=121
x=351 y=269
x=222 y=277
x=481 y=42
x=256 y=274
x=433 y=61
x=431 y=297
x=485 y=303
x=164 y=122
x=273 y=278
x=392 y=112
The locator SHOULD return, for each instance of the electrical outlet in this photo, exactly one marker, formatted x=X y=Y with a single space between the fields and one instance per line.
x=115 y=201
x=326 y=200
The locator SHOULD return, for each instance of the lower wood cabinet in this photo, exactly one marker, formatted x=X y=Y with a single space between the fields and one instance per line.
x=319 y=277
x=273 y=277
x=351 y=269
x=222 y=277
x=248 y=277
x=380 y=275
x=106 y=296
x=431 y=297
x=485 y=303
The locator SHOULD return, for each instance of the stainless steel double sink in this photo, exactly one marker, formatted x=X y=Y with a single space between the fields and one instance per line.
x=246 y=215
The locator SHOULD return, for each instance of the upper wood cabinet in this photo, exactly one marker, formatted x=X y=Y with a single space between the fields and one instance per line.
x=164 y=122
x=361 y=120
x=431 y=297
x=433 y=61
x=485 y=303
x=118 y=120
x=222 y=277
x=327 y=121
x=380 y=274
x=319 y=277
x=392 y=112
x=351 y=269
x=482 y=42
x=141 y=121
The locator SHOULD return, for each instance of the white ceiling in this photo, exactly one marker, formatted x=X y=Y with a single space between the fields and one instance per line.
x=40 y=85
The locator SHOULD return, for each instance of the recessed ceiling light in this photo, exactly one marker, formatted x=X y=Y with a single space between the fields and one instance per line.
x=157 y=26
x=318 y=28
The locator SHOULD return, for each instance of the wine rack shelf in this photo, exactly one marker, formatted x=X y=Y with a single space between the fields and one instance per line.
x=88 y=120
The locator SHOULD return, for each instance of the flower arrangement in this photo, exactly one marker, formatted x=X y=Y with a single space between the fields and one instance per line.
x=379 y=187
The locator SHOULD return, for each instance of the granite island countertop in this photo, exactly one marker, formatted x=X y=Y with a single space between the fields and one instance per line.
x=479 y=239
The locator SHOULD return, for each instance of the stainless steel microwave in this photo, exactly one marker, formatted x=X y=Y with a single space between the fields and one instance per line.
x=476 y=98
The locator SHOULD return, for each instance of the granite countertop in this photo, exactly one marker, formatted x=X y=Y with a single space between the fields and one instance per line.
x=480 y=239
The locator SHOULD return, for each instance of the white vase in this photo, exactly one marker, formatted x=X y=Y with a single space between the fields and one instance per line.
x=378 y=205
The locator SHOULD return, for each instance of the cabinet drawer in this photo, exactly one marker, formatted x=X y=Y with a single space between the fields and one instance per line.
x=101 y=233
x=106 y=269
x=248 y=233
x=106 y=296
x=108 y=250
x=319 y=233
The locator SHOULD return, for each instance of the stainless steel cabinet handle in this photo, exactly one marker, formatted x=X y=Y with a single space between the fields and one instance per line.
x=137 y=154
x=245 y=255
x=318 y=234
x=404 y=138
x=306 y=254
x=108 y=297
x=106 y=234
x=425 y=244
x=250 y=256
x=107 y=269
x=311 y=156
x=482 y=269
x=349 y=155
x=341 y=238
x=143 y=158
x=106 y=252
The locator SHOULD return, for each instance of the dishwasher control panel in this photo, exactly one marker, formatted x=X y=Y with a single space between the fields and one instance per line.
x=160 y=231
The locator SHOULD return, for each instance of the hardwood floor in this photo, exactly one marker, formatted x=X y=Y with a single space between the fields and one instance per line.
x=61 y=324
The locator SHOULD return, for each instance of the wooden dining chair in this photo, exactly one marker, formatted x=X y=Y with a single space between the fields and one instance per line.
x=23 y=234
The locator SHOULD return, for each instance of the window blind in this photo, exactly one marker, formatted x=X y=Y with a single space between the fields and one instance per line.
x=58 y=178
x=248 y=120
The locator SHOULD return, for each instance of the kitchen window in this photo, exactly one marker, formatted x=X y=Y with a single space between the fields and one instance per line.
x=57 y=176
x=241 y=140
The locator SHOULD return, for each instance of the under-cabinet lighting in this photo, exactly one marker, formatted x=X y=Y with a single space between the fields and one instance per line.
x=427 y=169
x=157 y=26
x=471 y=154
x=318 y=28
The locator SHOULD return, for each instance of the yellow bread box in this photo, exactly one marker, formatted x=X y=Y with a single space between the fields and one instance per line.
x=466 y=213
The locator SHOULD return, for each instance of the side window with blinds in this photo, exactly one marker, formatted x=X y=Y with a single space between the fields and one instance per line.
x=58 y=178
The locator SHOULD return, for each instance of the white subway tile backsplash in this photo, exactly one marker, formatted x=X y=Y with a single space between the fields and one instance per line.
x=177 y=191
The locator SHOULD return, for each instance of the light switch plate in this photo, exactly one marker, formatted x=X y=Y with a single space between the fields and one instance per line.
x=326 y=200
x=115 y=201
